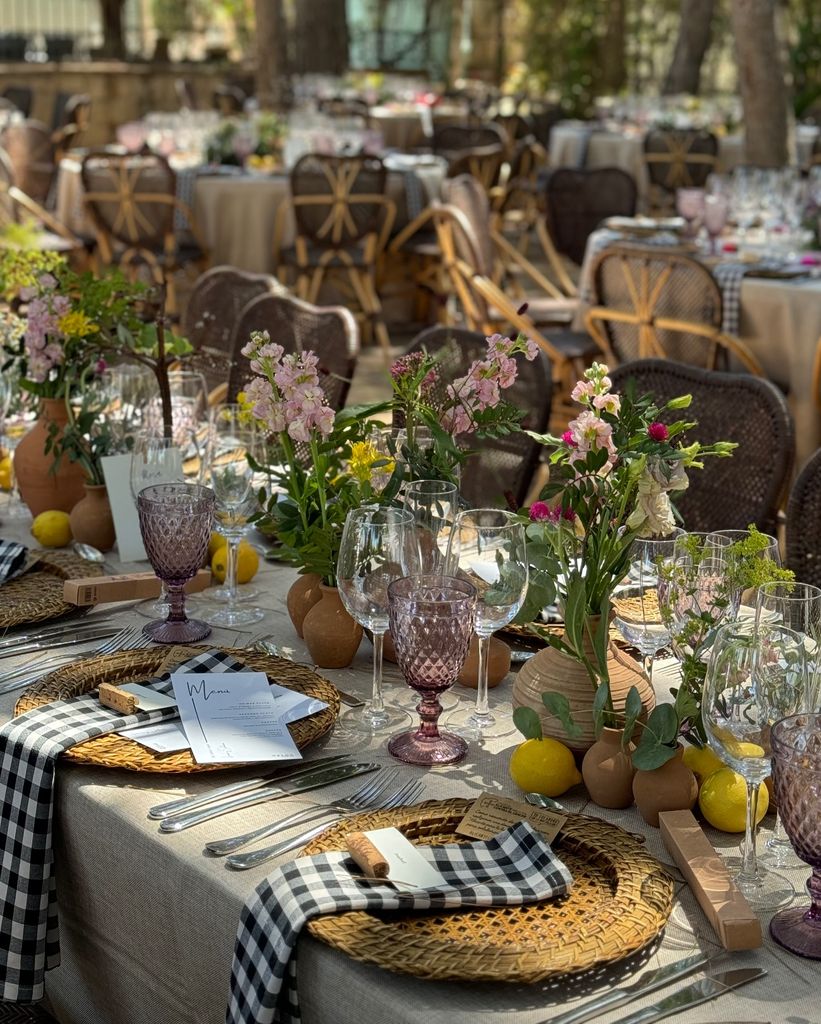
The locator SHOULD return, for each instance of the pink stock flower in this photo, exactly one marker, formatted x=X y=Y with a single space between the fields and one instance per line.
x=607 y=403
x=583 y=391
x=531 y=350
x=591 y=433
x=539 y=511
x=658 y=431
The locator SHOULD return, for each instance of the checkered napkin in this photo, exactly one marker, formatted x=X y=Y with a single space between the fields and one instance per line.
x=515 y=867
x=729 y=277
x=29 y=748
x=12 y=560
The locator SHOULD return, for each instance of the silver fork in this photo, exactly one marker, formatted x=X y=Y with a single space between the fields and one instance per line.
x=131 y=637
x=406 y=794
x=360 y=800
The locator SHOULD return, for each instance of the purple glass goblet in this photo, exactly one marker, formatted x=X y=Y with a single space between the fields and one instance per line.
x=796 y=749
x=176 y=522
x=431 y=621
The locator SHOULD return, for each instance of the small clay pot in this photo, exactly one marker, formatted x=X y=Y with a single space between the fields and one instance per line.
x=498 y=663
x=91 y=520
x=608 y=771
x=331 y=635
x=672 y=787
x=302 y=596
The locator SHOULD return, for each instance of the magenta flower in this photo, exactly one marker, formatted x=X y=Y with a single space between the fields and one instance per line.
x=658 y=431
x=539 y=511
x=568 y=439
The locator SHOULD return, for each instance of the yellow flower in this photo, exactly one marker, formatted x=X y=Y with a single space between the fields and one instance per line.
x=76 y=324
x=363 y=456
x=246 y=413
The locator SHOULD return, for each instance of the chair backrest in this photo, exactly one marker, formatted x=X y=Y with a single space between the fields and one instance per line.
x=77 y=111
x=215 y=304
x=515 y=127
x=467 y=195
x=749 y=486
x=500 y=468
x=346 y=106
x=131 y=198
x=484 y=163
x=649 y=300
x=544 y=118
x=338 y=200
x=578 y=200
x=677 y=158
x=30 y=151
x=229 y=99
x=330 y=331
x=21 y=96
x=526 y=160
x=803 y=527
x=450 y=139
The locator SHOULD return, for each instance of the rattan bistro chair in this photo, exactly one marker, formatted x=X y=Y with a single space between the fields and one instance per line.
x=16 y=208
x=452 y=139
x=678 y=159
x=751 y=485
x=500 y=470
x=30 y=149
x=133 y=205
x=216 y=302
x=655 y=302
x=804 y=523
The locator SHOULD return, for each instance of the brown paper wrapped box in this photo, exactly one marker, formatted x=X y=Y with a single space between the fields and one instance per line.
x=728 y=912
x=132 y=586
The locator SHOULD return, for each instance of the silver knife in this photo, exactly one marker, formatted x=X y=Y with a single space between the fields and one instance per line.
x=99 y=633
x=191 y=803
x=648 y=982
x=702 y=991
x=323 y=777
x=49 y=631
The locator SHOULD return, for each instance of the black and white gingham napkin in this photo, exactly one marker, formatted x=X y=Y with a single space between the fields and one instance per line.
x=29 y=748
x=12 y=560
x=729 y=276
x=515 y=867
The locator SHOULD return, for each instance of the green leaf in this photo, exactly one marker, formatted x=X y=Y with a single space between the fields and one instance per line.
x=601 y=705
x=650 y=755
x=632 y=712
x=528 y=723
x=559 y=706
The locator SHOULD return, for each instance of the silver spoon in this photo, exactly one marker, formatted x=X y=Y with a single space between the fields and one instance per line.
x=89 y=553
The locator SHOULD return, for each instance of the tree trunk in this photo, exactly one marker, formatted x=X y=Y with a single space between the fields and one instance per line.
x=694 y=32
x=111 y=12
x=321 y=37
x=611 y=50
x=762 y=83
x=273 y=69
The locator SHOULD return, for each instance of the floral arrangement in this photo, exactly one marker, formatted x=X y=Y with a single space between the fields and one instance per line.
x=264 y=136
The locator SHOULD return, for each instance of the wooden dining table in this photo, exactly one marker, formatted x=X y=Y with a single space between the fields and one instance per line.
x=148 y=921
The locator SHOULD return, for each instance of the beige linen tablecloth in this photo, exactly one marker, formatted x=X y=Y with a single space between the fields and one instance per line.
x=148 y=922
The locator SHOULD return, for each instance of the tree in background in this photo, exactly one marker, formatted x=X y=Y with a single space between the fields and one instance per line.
x=694 y=35
x=273 y=64
x=805 y=54
x=111 y=12
x=320 y=36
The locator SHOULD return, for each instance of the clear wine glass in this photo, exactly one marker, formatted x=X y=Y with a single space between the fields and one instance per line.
x=231 y=441
x=488 y=548
x=431 y=618
x=753 y=679
x=175 y=522
x=378 y=546
x=434 y=505
x=690 y=205
x=130 y=391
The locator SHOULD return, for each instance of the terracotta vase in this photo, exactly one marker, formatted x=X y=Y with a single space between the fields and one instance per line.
x=672 y=787
x=498 y=663
x=552 y=670
x=91 y=520
x=302 y=596
x=608 y=771
x=331 y=635
x=42 y=486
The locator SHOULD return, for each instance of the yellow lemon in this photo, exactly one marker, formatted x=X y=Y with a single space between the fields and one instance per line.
x=247 y=563
x=723 y=800
x=52 y=529
x=544 y=766
x=5 y=473
x=216 y=542
x=701 y=761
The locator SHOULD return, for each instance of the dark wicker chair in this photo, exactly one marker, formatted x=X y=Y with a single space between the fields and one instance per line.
x=750 y=486
x=544 y=118
x=501 y=469
x=29 y=147
x=678 y=159
x=485 y=164
x=17 y=207
x=451 y=139
x=346 y=107
x=298 y=326
x=804 y=523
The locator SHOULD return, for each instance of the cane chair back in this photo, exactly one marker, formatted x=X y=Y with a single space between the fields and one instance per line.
x=30 y=150
x=803 y=528
x=750 y=486
x=499 y=470
x=451 y=139
x=329 y=331
x=544 y=119
x=346 y=107
x=651 y=302
x=515 y=127
x=679 y=158
x=216 y=302
x=485 y=164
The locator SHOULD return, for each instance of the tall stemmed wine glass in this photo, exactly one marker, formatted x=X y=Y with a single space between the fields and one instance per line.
x=796 y=746
x=753 y=679
x=175 y=522
x=434 y=505
x=431 y=620
x=378 y=546
x=488 y=549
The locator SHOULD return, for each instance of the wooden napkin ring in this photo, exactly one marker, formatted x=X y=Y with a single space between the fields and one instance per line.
x=118 y=700
x=366 y=856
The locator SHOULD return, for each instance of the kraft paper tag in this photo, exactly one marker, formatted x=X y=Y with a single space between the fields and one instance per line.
x=174 y=656
x=491 y=815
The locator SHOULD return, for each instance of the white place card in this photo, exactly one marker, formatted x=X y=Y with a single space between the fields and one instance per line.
x=161 y=737
x=232 y=716
x=406 y=865
x=117 y=473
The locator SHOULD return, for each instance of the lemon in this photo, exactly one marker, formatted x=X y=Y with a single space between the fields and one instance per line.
x=247 y=563
x=5 y=473
x=52 y=529
x=216 y=542
x=701 y=761
x=544 y=766
x=723 y=800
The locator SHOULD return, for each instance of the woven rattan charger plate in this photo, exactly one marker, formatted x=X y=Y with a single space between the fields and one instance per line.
x=37 y=595
x=113 y=751
x=620 y=901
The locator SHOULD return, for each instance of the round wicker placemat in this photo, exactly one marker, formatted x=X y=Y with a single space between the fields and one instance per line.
x=37 y=595
x=620 y=901
x=113 y=751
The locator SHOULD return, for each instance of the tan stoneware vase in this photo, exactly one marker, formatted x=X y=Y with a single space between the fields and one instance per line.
x=42 y=487
x=552 y=670
x=330 y=634
x=302 y=596
x=498 y=663
x=672 y=787
x=91 y=520
x=608 y=771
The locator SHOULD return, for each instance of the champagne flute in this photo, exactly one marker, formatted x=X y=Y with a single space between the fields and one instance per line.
x=488 y=548
x=378 y=546
x=752 y=680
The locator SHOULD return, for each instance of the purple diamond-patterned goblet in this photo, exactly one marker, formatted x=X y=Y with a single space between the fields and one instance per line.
x=431 y=623
x=175 y=522
x=796 y=748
